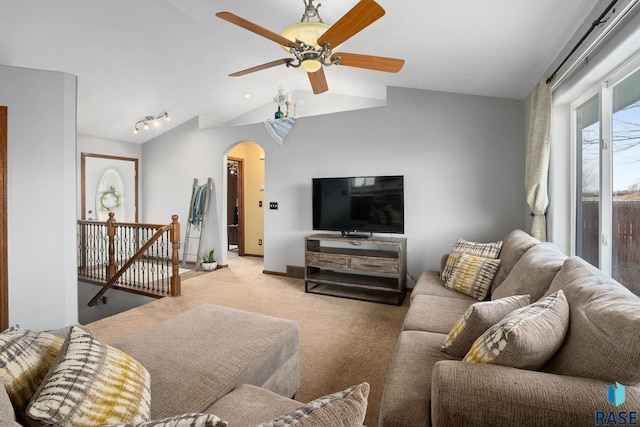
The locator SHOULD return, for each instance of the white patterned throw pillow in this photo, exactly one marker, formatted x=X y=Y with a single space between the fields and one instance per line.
x=346 y=408
x=186 y=420
x=25 y=359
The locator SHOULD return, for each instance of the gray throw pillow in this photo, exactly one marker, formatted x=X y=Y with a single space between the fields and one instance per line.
x=527 y=337
x=476 y=320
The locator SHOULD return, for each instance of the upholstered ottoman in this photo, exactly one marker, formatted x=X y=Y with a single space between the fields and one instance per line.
x=197 y=357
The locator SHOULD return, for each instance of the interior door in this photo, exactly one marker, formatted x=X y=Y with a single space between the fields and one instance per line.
x=235 y=203
x=109 y=184
x=4 y=263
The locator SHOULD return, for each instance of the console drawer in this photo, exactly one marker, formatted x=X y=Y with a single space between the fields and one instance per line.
x=331 y=261
x=373 y=264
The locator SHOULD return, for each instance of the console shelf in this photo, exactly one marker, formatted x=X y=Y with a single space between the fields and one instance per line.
x=372 y=269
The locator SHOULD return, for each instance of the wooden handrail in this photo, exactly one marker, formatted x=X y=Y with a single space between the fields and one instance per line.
x=174 y=229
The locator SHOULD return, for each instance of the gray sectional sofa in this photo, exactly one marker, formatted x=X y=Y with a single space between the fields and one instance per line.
x=242 y=368
x=598 y=351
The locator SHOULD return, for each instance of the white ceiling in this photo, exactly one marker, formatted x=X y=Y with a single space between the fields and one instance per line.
x=140 y=57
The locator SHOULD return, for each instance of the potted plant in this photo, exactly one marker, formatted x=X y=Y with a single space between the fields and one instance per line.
x=209 y=262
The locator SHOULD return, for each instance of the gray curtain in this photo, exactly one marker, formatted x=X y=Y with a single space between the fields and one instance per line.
x=537 y=162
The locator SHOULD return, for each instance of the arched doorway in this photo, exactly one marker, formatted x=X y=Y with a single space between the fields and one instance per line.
x=244 y=199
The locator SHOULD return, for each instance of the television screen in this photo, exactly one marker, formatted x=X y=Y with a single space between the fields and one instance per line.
x=371 y=204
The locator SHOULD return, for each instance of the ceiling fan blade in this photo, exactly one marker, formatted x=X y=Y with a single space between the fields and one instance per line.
x=379 y=63
x=358 y=18
x=261 y=67
x=261 y=31
x=318 y=81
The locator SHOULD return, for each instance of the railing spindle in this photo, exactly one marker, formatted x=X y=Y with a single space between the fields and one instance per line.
x=130 y=256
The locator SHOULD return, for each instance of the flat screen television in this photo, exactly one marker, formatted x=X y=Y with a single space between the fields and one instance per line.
x=365 y=204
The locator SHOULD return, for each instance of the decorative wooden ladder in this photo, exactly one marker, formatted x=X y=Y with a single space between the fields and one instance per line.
x=197 y=224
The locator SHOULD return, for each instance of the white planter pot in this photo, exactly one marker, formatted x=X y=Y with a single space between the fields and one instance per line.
x=209 y=266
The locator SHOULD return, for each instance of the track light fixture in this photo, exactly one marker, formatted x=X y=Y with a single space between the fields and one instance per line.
x=145 y=122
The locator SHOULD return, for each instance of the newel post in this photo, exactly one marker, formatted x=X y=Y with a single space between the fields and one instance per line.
x=111 y=234
x=175 y=259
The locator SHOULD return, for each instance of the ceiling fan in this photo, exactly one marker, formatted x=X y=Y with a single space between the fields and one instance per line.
x=311 y=42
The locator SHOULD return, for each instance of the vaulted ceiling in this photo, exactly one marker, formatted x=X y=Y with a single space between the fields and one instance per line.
x=142 y=57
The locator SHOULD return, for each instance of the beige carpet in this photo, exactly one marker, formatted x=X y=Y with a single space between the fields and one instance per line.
x=342 y=341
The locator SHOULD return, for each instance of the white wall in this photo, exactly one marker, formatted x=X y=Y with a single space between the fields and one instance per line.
x=41 y=196
x=462 y=157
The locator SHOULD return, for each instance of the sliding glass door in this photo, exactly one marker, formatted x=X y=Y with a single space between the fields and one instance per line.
x=608 y=180
x=625 y=167
x=588 y=188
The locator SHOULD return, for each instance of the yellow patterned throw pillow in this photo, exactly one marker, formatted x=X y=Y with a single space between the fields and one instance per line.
x=472 y=275
x=486 y=250
x=527 y=337
x=25 y=359
x=91 y=384
x=477 y=319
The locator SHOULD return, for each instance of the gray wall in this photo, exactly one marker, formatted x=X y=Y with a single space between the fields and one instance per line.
x=41 y=196
x=462 y=157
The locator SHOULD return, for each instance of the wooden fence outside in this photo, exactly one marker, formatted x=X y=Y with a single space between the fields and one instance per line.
x=625 y=240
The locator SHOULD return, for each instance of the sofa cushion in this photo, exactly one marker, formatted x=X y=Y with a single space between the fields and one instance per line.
x=248 y=404
x=406 y=400
x=533 y=273
x=602 y=341
x=476 y=320
x=527 y=337
x=345 y=408
x=513 y=247
x=487 y=250
x=472 y=275
x=434 y=314
x=91 y=384
x=186 y=420
x=429 y=283
x=25 y=359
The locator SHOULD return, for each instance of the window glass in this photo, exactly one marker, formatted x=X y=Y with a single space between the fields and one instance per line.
x=626 y=182
x=588 y=188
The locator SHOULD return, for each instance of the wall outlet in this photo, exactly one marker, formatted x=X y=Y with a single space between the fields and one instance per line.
x=273 y=205
x=259 y=242
x=260 y=203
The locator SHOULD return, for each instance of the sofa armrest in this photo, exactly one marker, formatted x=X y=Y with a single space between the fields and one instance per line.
x=472 y=394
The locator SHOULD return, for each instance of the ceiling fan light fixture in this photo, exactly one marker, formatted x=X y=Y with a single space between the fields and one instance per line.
x=311 y=65
x=306 y=32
